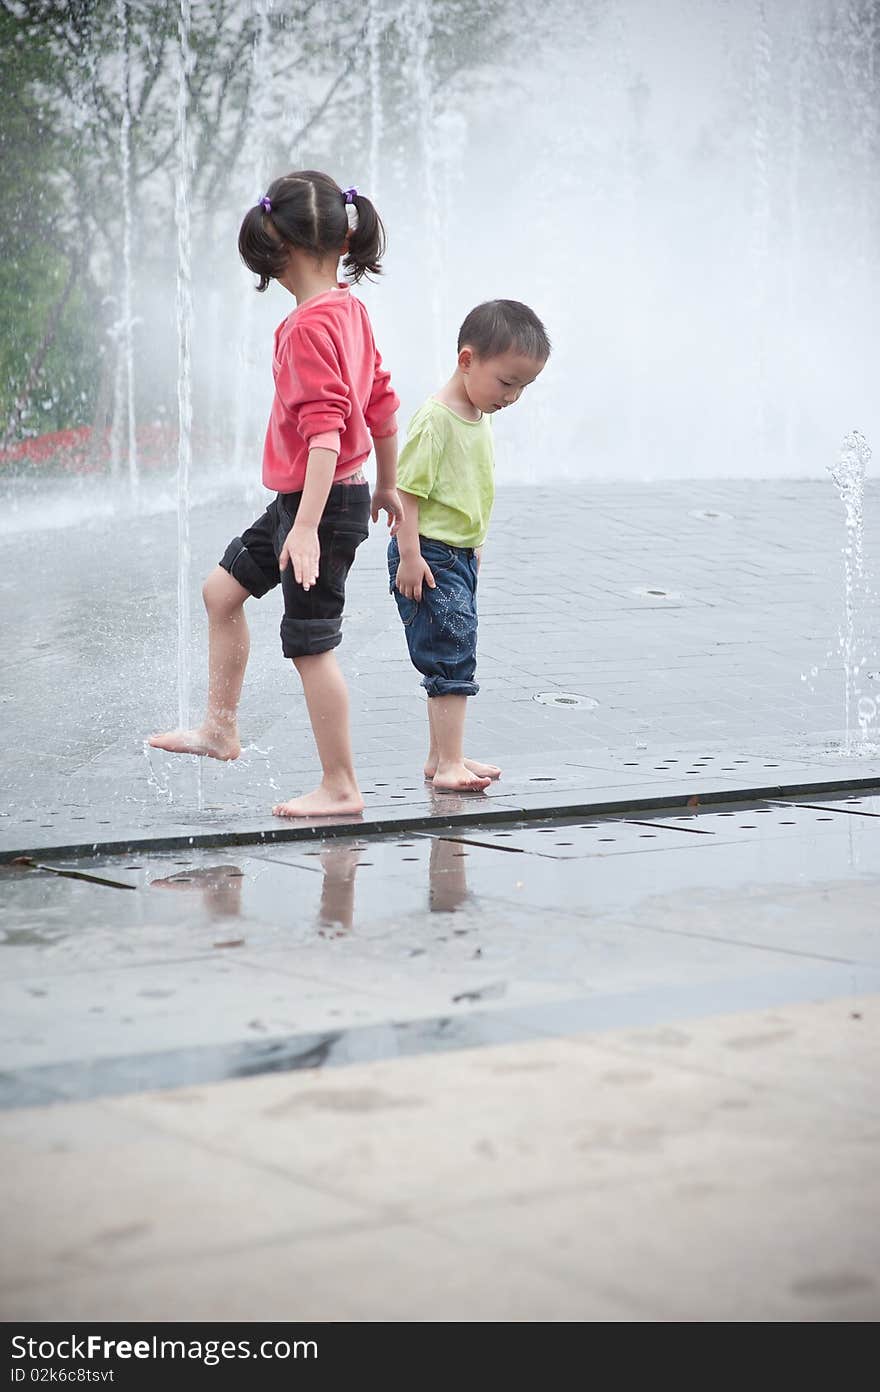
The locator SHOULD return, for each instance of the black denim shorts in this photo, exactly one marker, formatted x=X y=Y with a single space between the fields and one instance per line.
x=312 y=620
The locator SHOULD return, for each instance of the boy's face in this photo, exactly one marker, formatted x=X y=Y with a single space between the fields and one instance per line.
x=493 y=383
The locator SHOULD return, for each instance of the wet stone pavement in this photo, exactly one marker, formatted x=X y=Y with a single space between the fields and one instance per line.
x=645 y=643
x=541 y=1054
x=123 y=975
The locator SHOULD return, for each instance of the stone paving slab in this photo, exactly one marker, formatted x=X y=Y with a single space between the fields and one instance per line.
x=123 y=974
x=688 y=612
x=596 y=1177
x=583 y=791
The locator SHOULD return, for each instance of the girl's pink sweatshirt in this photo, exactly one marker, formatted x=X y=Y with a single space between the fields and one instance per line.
x=331 y=390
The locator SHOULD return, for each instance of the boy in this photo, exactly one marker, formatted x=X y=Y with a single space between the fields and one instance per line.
x=446 y=480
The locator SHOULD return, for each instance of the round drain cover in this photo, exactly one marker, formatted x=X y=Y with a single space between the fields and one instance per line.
x=565 y=698
x=710 y=515
x=655 y=592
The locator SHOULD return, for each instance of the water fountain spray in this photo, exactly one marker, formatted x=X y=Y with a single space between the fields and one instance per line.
x=183 y=181
x=848 y=474
x=126 y=343
x=374 y=72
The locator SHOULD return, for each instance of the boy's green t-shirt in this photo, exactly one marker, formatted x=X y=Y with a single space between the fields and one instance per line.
x=448 y=463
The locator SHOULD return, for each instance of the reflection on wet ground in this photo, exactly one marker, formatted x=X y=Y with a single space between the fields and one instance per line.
x=305 y=954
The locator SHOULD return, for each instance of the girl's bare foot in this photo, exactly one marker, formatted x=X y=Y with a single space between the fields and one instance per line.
x=323 y=802
x=490 y=771
x=214 y=744
x=458 y=778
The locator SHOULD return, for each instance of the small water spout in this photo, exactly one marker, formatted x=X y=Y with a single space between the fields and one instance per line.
x=183 y=181
x=374 y=73
x=126 y=348
x=848 y=474
x=416 y=23
x=261 y=120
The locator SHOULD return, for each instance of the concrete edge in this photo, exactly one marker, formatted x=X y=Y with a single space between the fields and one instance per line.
x=484 y=817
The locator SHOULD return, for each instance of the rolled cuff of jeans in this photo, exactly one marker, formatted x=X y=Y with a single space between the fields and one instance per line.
x=448 y=686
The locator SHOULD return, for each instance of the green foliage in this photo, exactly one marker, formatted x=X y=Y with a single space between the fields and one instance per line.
x=34 y=268
x=267 y=75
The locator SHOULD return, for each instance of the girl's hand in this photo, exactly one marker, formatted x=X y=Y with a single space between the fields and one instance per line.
x=303 y=551
x=388 y=500
x=412 y=573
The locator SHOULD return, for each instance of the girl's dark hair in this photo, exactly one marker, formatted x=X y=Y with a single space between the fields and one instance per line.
x=499 y=325
x=307 y=210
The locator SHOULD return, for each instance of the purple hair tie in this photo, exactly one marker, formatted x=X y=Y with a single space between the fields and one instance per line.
x=350 y=195
x=266 y=204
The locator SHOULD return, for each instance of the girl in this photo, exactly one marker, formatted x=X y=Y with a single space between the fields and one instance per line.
x=332 y=397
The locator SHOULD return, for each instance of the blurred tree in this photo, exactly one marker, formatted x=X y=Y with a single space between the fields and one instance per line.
x=44 y=329
x=80 y=77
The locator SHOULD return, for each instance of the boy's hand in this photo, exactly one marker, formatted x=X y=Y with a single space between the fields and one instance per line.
x=412 y=573
x=303 y=551
x=388 y=500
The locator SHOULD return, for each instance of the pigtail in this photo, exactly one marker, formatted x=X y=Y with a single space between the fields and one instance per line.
x=310 y=211
x=260 y=252
x=366 y=241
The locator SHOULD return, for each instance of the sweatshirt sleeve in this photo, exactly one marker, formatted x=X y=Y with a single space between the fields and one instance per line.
x=381 y=411
x=419 y=461
x=309 y=383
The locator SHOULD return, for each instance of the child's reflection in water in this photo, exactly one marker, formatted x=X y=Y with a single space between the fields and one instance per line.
x=220 y=886
x=336 y=911
x=447 y=877
x=447 y=882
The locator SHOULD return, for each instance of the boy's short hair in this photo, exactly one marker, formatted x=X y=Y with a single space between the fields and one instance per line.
x=501 y=325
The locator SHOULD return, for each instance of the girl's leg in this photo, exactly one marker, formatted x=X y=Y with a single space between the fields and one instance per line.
x=446 y=715
x=228 y=649
x=339 y=863
x=326 y=695
x=489 y=771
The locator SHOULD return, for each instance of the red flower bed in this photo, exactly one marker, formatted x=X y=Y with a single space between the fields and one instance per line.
x=78 y=451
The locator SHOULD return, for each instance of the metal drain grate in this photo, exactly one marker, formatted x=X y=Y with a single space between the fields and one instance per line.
x=623 y=835
x=655 y=592
x=565 y=698
x=680 y=765
x=577 y=842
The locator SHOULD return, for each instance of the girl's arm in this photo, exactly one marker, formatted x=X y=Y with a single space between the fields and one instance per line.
x=301 y=547
x=413 y=570
x=386 y=497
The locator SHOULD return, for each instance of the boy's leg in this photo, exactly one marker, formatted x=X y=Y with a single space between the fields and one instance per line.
x=441 y=633
x=490 y=771
x=447 y=877
x=447 y=724
x=228 y=650
x=327 y=700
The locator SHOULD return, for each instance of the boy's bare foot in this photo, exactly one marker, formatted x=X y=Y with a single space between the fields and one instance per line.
x=323 y=802
x=212 y=743
x=458 y=778
x=489 y=771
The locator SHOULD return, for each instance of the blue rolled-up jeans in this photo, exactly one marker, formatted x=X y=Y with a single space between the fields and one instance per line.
x=441 y=629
